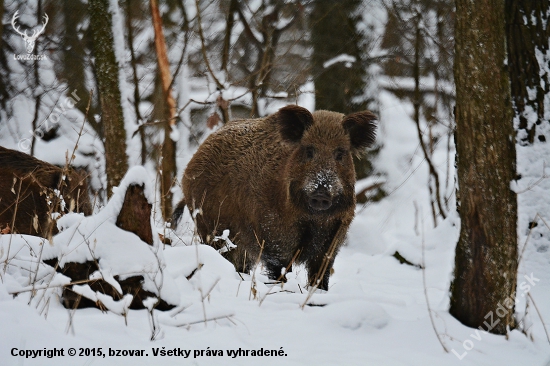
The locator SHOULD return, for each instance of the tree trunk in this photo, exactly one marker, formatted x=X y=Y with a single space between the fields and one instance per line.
x=116 y=160
x=1 y=28
x=168 y=165
x=334 y=32
x=135 y=214
x=73 y=54
x=135 y=80
x=135 y=217
x=527 y=32
x=36 y=74
x=483 y=290
x=229 y=23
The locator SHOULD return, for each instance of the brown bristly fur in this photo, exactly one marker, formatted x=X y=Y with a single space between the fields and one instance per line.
x=27 y=185
x=261 y=179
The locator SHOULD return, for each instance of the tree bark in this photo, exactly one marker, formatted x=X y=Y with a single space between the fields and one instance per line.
x=1 y=28
x=483 y=290
x=73 y=53
x=229 y=23
x=527 y=31
x=135 y=214
x=334 y=32
x=168 y=165
x=135 y=80
x=116 y=160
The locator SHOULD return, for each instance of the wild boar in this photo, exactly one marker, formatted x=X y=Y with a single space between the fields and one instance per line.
x=31 y=190
x=283 y=185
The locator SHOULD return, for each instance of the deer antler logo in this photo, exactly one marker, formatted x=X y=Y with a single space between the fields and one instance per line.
x=29 y=40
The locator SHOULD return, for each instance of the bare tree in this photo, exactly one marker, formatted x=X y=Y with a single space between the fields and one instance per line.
x=482 y=292
x=168 y=165
x=135 y=78
x=6 y=83
x=418 y=41
x=107 y=73
x=1 y=17
x=36 y=75
x=339 y=63
x=528 y=33
x=262 y=49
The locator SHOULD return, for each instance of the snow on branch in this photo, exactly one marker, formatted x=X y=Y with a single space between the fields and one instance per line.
x=346 y=59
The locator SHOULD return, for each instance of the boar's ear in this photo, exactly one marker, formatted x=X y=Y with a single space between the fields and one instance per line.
x=361 y=127
x=293 y=121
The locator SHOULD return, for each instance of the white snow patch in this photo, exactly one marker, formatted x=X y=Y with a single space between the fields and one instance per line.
x=345 y=58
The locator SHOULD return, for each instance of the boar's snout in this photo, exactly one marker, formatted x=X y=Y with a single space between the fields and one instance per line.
x=321 y=190
x=319 y=200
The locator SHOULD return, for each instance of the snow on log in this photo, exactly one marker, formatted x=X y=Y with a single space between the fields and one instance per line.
x=115 y=253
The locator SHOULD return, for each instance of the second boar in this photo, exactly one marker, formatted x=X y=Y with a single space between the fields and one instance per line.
x=32 y=190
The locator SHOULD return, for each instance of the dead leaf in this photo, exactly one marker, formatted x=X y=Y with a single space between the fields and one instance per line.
x=222 y=103
x=6 y=230
x=35 y=222
x=213 y=120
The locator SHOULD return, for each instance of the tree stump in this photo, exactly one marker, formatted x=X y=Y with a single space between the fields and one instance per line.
x=135 y=217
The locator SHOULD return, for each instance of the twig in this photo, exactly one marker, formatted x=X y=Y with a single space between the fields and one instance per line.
x=253 y=280
x=228 y=317
x=531 y=227
x=324 y=266
x=369 y=188
x=210 y=290
x=13 y=223
x=537 y=182
x=426 y=289
x=199 y=264
x=203 y=48
x=39 y=260
x=48 y=286
x=540 y=316
x=282 y=274
x=65 y=170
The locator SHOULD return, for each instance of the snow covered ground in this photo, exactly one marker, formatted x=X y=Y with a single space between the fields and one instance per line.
x=375 y=313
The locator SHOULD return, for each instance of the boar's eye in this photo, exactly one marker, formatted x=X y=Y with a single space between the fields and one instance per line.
x=339 y=154
x=310 y=151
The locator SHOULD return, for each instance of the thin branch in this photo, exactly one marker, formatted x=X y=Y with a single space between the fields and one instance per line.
x=426 y=289
x=540 y=316
x=203 y=48
x=248 y=30
x=48 y=286
x=537 y=182
x=283 y=274
x=329 y=256
x=531 y=227
x=228 y=317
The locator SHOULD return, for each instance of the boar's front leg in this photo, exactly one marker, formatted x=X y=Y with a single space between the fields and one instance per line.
x=320 y=252
x=319 y=272
x=275 y=266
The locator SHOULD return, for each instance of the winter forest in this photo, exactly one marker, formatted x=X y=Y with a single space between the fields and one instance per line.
x=173 y=191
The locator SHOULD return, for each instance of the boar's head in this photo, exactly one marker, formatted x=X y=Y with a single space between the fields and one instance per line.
x=319 y=174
